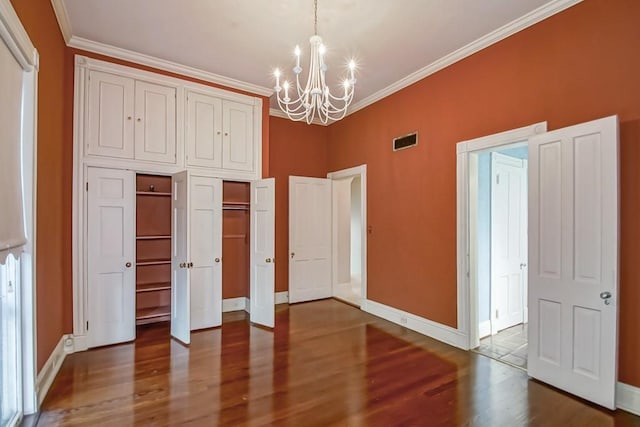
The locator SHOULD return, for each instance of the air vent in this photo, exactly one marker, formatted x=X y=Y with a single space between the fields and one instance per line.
x=407 y=141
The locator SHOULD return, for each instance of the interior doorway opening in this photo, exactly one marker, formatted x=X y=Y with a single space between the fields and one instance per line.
x=349 y=235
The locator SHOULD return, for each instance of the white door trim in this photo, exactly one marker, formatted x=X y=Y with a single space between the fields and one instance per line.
x=466 y=196
x=354 y=172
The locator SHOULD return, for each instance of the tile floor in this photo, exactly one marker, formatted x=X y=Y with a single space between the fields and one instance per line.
x=509 y=346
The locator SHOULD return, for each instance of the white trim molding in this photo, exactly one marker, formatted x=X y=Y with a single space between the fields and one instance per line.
x=628 y=398
x=435 y=330
x=165 y=65
x=234 y=304
x=282 y=297
x=62 y=16
x=466 y=189
x=483 y=42
x=276 y=112
x=51 y=367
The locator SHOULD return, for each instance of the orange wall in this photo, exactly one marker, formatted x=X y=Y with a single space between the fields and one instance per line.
x=53 y=251
x=296 y=149
x=579 y=65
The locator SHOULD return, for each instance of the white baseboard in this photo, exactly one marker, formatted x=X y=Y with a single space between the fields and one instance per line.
x=419 y=324
x=234 y=304
x=282 y=297
x=51 y=367
x=484 y=329
x=628 y=398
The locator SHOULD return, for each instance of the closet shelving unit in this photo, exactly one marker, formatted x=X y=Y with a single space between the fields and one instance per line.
x=235 y=239
x=153 y=249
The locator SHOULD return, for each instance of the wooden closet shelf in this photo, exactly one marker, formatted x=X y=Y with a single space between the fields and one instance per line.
x=234 y=236
x=235 y=208
x=236 y=203
x=152 y=193
x=153 y=262
x=152 y=287
x=153 y=312
x=153 y=237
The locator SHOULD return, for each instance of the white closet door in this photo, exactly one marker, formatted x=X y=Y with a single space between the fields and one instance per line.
x=204 y=130
x=111 y=256
x=309 y=238
x=237 y=142
x=180 y=292
x=508 y=240
x=110 y=115
x=205 y=268
x=573 y=254
x=262 y=293
x=155 y=122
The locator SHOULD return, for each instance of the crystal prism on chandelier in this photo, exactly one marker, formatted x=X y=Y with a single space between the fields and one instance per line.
x=314 y=99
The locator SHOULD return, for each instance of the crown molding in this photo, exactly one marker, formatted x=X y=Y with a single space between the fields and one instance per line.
x=63 y=19
x=276 y=112
x=483 y=42
x=163 y=64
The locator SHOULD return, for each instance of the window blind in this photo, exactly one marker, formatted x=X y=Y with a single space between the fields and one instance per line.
x=12 y=229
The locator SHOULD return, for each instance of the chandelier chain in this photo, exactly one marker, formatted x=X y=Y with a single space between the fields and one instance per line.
x=315 y=17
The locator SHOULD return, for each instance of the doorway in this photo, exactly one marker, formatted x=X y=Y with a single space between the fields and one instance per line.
x=349 y=234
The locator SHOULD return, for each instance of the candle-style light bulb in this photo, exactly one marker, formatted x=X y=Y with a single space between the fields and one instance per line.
x=286 y=90
x=276 y=73
x=296 y=51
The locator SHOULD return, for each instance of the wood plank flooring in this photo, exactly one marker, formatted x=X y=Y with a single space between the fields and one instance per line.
x=325 y=364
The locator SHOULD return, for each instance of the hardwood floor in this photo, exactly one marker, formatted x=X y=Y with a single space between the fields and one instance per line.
x=325 y=364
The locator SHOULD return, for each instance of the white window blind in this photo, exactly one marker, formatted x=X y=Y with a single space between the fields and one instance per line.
x=12 y=230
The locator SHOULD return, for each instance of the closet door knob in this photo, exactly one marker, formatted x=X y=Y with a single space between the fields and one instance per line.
x=190 y=265
x=139 y=119
x=293 y=254
x=268 y=260
x=182 y=265
x=128 y=117
x=218 y=133
x=217 y=260
x=226 y=134
x=128 y=265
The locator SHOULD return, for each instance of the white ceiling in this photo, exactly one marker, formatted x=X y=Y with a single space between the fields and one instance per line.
x=246 y=39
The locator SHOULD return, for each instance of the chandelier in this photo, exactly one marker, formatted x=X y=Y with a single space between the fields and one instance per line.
x=315 y=99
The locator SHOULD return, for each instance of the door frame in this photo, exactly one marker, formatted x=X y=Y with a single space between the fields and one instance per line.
x=466 y=210
x=353 y=172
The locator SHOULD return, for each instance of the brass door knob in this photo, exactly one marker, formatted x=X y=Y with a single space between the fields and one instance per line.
x=128 y=265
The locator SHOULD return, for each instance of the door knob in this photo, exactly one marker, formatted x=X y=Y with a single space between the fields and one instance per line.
x=190 y=265
x=268 y=260
x=128 y=264
x=182 y=265
x=293 y=254
x=606 y=296
x=217 y=260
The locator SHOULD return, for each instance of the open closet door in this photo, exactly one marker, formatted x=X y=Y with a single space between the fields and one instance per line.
x=262 y=294
x=309 y=238
x=573 y=259
x=180 y=292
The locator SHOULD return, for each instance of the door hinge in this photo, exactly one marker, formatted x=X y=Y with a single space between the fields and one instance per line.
x=87 y=186
x=498 y=179
x=87 y=325
x=497 y=314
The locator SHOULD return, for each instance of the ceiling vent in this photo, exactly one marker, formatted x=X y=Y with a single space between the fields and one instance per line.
x=407 y=141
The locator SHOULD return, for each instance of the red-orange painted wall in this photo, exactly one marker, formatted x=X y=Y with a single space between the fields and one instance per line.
x=53 y=219
x=576 y=66
x=296 y=149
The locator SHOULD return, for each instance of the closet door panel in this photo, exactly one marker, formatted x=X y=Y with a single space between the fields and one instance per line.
x=237 y=145
x=111 y=247
x=205 y=215
x=204 y=130
x=155 y=122
x=110 y=115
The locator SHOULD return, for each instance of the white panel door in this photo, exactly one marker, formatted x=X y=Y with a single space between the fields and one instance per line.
x=155 y=122
x=237 y=142
x=204 y=130
x=573 y=259
x=508 y=240
x=205 y=243
x=111 y=255
x=180 y=291
x=262 y=292
x=309 y=238
x=109 y=119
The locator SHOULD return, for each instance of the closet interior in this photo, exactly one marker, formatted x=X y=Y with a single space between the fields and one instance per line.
x=153 y=249
x=235 y=239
